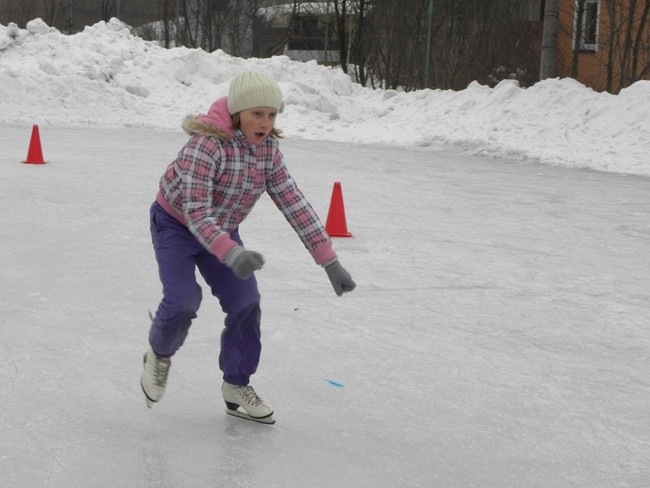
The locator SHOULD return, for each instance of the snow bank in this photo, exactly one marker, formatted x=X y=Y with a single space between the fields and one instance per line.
x=104 y=76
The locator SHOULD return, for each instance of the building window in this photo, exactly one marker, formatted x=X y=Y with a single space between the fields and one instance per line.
x=587 y=32
x=307 y=34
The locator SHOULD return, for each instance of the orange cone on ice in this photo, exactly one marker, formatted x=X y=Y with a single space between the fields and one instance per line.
x=336 y=225
x=35 y=153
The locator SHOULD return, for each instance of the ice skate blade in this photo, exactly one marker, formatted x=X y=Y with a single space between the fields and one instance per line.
x=242 y=415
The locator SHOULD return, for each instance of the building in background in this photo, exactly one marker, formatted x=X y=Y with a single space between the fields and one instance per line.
x=305 y=33
x=604 y=44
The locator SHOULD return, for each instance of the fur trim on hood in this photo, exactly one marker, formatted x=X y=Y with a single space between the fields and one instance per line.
x=193 y=125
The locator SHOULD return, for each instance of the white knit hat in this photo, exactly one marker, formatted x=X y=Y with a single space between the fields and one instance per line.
x=254 y=89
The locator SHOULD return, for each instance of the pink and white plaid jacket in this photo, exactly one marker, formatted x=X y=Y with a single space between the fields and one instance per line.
x=213 y=184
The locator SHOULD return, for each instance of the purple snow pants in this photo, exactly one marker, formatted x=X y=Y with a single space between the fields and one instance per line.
x=179 y=254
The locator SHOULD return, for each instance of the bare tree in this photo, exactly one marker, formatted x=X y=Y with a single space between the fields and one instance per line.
x=106 y=9
x=272 y=26
x=168 y=25
x=629 y=41
x=578 y=37
x=478 y=40
x=212 y=24
x=626 y=37
x=360 y=57
x=641 y=70
x=636 y=25
x=188 y=23
x=394 y=57
x=23 y=12
x=51 y=10
x=612 y=8
x=341 y=24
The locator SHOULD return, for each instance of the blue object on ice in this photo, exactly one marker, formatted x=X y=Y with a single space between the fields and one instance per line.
x=334 y=383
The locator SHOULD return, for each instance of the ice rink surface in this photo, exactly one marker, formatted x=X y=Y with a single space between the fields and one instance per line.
x=498 y=336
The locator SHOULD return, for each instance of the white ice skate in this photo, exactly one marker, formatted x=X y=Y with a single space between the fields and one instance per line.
x=252 y=406
x=154 y=376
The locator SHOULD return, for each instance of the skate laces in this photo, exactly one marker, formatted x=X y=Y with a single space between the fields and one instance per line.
x=160 y=370
x=249 y=396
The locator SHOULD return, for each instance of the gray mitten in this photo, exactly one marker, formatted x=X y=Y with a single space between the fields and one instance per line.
x=340 y=278
x=242 y=262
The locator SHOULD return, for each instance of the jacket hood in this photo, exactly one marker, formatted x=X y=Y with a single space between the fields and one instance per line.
x=217 y=122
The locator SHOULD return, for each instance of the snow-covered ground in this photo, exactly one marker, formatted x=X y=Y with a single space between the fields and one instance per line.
x=105 y=77
x=498 y=336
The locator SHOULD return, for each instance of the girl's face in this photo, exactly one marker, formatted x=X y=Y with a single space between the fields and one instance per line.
x=256 y=123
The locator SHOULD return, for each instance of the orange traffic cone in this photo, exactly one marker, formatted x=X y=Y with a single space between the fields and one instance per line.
x=35 y=153
x=336 y=225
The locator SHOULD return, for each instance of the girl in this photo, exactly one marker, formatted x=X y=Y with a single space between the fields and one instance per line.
x=231 y=158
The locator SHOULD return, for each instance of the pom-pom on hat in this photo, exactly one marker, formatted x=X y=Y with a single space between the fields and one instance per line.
x=254 y=89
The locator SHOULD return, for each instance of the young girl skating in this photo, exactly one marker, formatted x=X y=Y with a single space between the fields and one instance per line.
x=231 y=158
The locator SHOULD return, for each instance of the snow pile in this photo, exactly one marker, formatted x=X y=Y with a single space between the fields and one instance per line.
x=106 y=77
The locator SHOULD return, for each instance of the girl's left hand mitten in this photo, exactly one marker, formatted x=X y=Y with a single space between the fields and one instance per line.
x=339 y=277
x=243 y=262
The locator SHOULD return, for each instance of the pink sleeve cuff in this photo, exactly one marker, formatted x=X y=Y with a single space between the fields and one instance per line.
x=323 y=253
x=221 y=246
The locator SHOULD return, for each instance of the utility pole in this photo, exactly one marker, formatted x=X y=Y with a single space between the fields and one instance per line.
x=428 y=50
x=548 y=63
x=119 y=9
